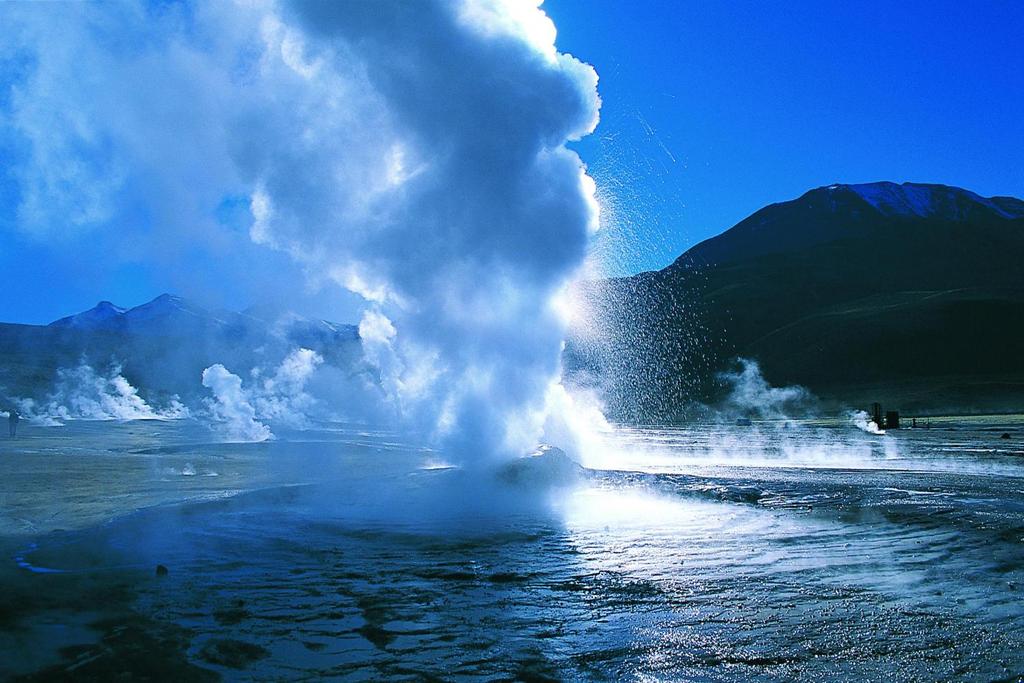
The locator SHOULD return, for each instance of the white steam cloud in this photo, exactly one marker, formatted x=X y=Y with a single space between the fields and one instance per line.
x=282 y=397
x=279 y=397
x=82 y=393
x=751 y=395
x=460 y=219
x=861 y=420
x=231 y=407
x=411 y=152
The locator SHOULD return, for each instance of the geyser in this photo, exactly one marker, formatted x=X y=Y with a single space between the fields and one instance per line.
x=467 y=215
x=411 y=152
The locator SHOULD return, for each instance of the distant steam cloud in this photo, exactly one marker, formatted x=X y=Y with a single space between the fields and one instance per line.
x=861 y=420
x=32 y=411
x=83 y=393
x=751 y=395
x=277 y=397
x=411 y=152
x=281 y=397
x=231 y=408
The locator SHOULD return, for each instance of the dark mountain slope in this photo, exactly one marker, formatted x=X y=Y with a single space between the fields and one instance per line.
x=912 y=293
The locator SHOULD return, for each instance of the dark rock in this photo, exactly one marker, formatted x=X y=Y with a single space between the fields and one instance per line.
x=547 y=466
x=1005 y=435
x=161 y=570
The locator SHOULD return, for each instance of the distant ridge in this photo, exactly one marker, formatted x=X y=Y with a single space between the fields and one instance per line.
x=166 y=308
x=909 y=292
x=170 y=314
x=101 y=315
x=929 y=200
x=164 y=345
x=840 y=211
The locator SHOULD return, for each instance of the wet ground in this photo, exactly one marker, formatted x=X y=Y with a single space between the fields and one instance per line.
x=804 y=552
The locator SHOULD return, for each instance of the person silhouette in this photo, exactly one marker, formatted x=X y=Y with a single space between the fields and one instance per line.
x=12 y=421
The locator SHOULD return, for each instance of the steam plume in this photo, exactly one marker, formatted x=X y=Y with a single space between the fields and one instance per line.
x=282 y=397
x=411 y=152
x=861 y=420
x=750 y=393
x=81 y=392
x=278 y=397
x=231 y=407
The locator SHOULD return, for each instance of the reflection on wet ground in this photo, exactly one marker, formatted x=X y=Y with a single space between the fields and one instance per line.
x=808 y=553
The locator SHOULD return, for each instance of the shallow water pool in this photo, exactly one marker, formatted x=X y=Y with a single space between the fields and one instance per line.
x=708 y=553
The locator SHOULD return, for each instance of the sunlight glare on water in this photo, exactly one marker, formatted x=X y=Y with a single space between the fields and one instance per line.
x=675 y=562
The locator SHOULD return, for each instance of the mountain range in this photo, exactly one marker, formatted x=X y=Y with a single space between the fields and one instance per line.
x=163 y=346
x=910 y=294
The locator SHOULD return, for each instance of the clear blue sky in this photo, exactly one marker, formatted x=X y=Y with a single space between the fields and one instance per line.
x=711 y=110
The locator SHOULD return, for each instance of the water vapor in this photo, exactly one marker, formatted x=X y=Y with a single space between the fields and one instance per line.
x=410 y=152
x=861 y=420
x=281 y=396
x=231 y=408
x=468 y=216
x=83 y=393
x=751 y=395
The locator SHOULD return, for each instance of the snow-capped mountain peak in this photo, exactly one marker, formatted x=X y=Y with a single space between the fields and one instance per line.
x=173 y=315
x=100 y=315
x=164 y=306
x=928 y=200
